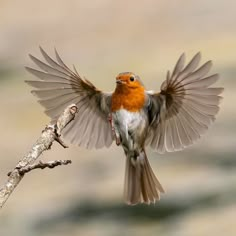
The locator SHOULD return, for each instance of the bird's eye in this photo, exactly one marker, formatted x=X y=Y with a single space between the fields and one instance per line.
x=131 y=78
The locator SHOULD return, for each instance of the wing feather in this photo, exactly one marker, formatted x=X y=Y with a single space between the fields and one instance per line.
x=187 y=105
x=58 y=87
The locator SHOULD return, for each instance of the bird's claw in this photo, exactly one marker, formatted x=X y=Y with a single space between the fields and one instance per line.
x=117 y=140
x=114 y=131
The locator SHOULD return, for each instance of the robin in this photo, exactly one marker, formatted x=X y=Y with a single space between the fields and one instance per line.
x=168 y=121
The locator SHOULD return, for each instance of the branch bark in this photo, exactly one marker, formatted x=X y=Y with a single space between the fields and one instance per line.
x=43 y=165
x=50 y=134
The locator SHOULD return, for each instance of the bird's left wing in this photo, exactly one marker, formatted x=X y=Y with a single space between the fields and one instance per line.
x=185 y=107
x=59 y=87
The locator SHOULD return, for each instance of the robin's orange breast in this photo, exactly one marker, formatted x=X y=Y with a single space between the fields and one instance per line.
x=128 y=98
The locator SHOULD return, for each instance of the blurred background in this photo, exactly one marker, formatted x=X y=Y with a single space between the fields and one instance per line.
x=103 y=38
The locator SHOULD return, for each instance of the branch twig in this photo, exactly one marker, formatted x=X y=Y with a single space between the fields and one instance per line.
x=50 y=133
x=43 y=165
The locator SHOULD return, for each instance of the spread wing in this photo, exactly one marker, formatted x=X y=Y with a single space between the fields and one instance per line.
x=185 y=107
x=59 y=87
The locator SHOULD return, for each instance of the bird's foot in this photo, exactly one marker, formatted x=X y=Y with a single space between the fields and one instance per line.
x=114 y=131
x=118 y=142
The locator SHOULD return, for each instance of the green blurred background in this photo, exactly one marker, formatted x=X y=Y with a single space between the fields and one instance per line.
x=103 y=38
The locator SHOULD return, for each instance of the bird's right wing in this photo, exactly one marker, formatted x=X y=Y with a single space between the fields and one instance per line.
x=59 y=87
x=185 y=107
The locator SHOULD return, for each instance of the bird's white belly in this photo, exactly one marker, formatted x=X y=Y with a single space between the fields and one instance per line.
x=128 y=122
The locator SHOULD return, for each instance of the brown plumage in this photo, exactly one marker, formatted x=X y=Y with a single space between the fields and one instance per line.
x=168 y=121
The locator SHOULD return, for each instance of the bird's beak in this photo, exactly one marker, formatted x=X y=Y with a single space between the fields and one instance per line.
x=118 y=81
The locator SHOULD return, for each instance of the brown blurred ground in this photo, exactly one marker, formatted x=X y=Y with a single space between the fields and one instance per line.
x=103 y=38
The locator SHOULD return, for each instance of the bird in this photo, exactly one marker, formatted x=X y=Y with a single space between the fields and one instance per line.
x=131 y=116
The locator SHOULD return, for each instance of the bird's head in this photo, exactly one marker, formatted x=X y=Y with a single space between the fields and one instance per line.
x=128 y=80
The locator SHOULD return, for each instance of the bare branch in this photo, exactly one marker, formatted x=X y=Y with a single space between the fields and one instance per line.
x=43 y=165
x=49 y=134
x=59 y=140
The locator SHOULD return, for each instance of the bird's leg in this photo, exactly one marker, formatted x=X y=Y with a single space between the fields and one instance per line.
x=114 y=129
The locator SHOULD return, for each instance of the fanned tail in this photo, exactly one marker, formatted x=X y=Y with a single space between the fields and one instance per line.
x=141 y=184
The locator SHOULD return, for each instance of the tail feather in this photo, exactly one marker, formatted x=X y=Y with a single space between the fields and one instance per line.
x=141 y=184
x=132 y=181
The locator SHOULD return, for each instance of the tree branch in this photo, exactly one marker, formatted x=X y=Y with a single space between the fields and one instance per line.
x=43 y=165
x=26 y=164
